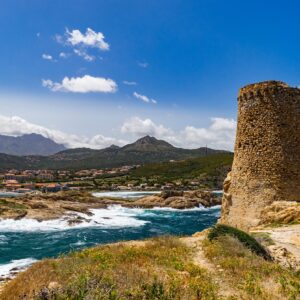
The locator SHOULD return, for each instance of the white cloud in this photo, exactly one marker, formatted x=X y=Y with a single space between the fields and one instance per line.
x=144 y=98
x=129 y=82
x=89 y=39
x=143 y=64
x=219 y=135
x=84 y=55
x=139 y=127
x=16 y=126
x=64 y=55
x=47 y=57
x=85 y=84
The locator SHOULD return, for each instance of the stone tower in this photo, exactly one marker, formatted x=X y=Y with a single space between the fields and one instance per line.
x=266 y=164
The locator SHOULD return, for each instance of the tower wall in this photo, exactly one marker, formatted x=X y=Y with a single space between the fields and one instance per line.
x=266 y=164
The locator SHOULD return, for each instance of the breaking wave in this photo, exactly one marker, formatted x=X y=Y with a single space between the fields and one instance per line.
x=114 y=216
x=15 y=266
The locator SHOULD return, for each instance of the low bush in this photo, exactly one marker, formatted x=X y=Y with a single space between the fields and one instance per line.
x=246 y=239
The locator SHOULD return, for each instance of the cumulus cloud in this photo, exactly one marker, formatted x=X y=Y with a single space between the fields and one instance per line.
x=219 y=135
x=47 y=57
x=89 y=39
x=16 y=126
x=84 y=55
x=139 y=127
x=129 y=82
x=144 y=98
x=85 y=84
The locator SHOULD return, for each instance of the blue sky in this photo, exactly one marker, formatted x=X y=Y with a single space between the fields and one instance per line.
x=187 y=59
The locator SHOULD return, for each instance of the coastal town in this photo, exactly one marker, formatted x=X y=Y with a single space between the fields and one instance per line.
x=52 y=181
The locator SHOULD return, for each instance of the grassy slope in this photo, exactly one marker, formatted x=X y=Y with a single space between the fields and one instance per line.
x=209 y=169
x=163 y=268
x=159 y=269
x=250 y=276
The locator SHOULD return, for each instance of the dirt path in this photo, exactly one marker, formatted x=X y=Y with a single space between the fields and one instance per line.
x=196 y=243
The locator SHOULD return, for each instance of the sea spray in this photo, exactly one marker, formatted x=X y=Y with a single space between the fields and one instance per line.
x=14 y=266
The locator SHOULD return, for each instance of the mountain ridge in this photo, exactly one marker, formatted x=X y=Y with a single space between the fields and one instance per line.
x=145 y=150
x=29 y=144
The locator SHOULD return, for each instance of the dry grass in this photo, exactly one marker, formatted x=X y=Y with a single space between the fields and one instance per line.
x=249 y=275
x=158 y=269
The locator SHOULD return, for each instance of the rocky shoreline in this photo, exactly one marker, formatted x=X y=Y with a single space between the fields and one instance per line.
x=42 y=207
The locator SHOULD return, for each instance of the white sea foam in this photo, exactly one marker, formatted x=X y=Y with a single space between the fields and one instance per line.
x=113 y=217
x=15 y=265
x=79 y=243
x=3 y=239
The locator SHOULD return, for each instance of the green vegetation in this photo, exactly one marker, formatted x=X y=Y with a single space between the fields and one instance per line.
x=12 y=209
x=247 y=240
x=209 y=170
x=163 y=268
x=160 y=268
x=263 y=238
x=247 y=276
x=11 y=204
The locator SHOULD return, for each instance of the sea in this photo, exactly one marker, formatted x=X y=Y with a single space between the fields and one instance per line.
x=25 y=241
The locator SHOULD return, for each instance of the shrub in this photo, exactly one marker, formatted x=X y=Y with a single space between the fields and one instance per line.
x=247 y=240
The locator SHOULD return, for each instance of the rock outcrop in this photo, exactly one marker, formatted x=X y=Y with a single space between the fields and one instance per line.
x=266 y=166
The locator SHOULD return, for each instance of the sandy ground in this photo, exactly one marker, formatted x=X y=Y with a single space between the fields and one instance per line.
x=286 y=244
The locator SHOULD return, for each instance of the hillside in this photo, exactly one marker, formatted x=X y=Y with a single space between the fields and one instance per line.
x=198 y=267
x=145 y=150
x=28 y=144
x=209 y=170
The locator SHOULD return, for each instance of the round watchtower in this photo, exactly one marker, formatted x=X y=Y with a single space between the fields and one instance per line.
x=266 y=164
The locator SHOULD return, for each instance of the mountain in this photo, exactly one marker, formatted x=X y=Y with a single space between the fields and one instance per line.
x=147 y=144
x=28 y=144
x=145 y=150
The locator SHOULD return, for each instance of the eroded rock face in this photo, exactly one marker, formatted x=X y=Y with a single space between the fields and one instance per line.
x=181 y=201
x=266 y=166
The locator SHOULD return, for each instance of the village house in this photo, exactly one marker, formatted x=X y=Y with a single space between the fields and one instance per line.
x=12 y=184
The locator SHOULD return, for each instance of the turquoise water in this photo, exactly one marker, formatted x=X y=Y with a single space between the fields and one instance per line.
x=9 y=194
x=24 y=241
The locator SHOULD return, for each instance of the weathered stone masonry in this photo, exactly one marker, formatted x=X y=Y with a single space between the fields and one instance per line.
x=266 y=164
